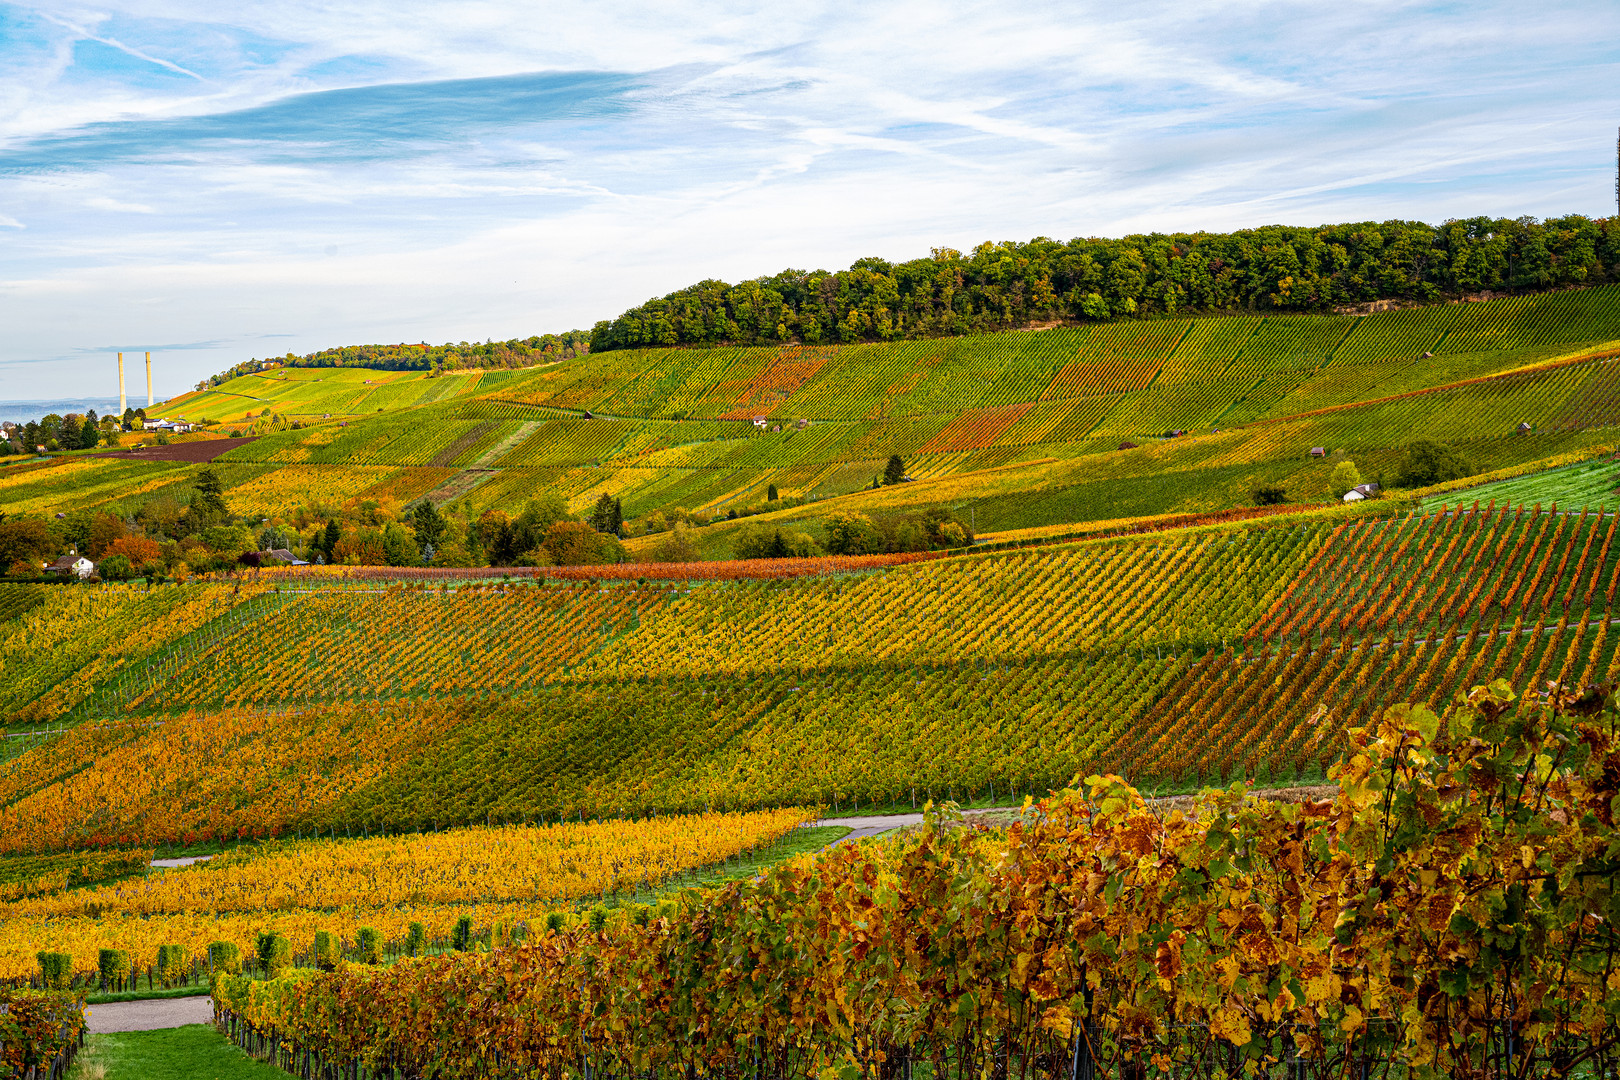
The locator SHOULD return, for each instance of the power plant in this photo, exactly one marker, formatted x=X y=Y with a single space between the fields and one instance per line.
x=123 y=404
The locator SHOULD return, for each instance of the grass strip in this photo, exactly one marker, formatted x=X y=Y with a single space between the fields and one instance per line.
x=193 y=1052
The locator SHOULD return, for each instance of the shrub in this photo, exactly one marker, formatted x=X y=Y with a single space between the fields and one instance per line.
x=115 y=568
x=224 y=958
x=327 y=953
x=574 y=543
x=368 y=945
x=1270 y=495
x=114 y=967
x=773 y=542
x=55 y=970
x=461 y=939
x=171 y=964
x=274 y=953
x=416 y=940
x=852 y=534
x=554 y=920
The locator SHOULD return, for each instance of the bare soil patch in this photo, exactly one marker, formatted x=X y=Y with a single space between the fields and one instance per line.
x=191 y=452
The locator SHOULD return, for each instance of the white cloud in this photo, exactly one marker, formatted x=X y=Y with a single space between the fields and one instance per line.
x=723 y=140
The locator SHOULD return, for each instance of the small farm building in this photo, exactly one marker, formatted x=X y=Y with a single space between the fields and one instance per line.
x=70 y=563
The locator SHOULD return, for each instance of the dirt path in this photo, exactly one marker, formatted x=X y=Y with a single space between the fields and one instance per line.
x=150 y=1015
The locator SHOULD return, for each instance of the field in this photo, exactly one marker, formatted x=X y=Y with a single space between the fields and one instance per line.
x=405 y=769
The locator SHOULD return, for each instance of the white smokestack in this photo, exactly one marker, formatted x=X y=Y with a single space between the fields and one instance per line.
x=148 y=380
x=121 y=405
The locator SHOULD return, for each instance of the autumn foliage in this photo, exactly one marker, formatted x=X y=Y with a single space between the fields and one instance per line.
x=1448 y=914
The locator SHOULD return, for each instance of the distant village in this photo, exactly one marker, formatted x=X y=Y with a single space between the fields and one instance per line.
x=53 y=433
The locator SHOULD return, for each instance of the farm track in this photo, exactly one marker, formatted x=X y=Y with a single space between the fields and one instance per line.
x=863 y=828
x=150 y=1015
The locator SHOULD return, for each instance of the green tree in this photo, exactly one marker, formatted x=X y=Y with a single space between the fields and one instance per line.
x=574 y=543
x=770 y=493
x=428 y=523
x=330 y=537
x=208 y=500
x=1269 y=495
x=89 y=431
x=398 y=546
x=607 y=516
x=1344 y=477
x=272 y=537
x=895 y=470
x=115 y=568
x=852 y=534
x=1428 y=462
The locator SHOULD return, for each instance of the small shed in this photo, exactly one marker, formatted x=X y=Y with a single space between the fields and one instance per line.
x=759 y=422
x=1354 y=495
x=801 y=424
x=1318 y=451
x=1524 y=429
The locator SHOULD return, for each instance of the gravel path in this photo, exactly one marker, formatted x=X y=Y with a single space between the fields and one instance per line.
x=863 y=827
x=150 y=1015
x=187 y=861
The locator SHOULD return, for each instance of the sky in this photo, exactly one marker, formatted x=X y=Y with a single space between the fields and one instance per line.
x=215 y=182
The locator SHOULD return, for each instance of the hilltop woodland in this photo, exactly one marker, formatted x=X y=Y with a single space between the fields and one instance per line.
x=595 y=623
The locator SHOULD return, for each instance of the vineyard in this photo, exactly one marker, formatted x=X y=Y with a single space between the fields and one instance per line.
x=1094 y=937
x=513 y=876
x=667 y=428
x=336 y=697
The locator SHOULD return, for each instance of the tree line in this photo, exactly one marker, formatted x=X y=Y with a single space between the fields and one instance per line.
x=451 y=356
x=1007 y=285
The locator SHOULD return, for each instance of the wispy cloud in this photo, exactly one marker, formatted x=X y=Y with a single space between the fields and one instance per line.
x=379 y=171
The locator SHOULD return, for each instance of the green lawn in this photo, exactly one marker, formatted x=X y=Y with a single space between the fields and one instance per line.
x=194 y=1052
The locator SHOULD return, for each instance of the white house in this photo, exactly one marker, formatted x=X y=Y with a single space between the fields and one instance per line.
x=72 y=564
x=1359 y=492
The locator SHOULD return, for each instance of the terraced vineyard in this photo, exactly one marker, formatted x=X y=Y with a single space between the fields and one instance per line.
x=670 y=428
x=1172 y=658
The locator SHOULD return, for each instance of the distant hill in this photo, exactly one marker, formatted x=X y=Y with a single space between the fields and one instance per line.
x=22 y=412
x=1012 y=285
x=1008 y=432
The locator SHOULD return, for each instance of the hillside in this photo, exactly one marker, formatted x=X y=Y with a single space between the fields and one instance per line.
x=1011 y=431
x=387 y=760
